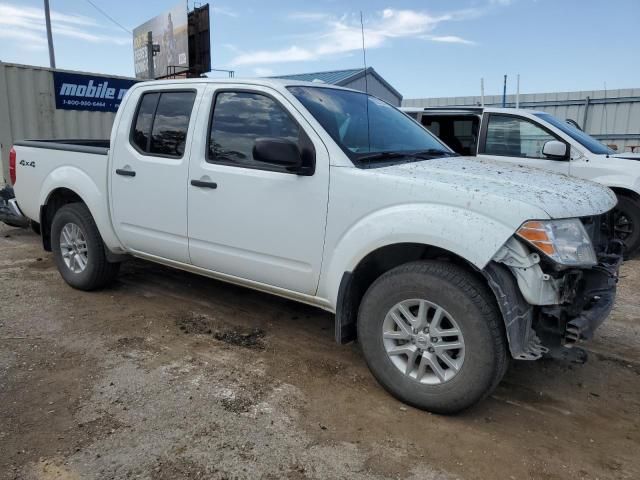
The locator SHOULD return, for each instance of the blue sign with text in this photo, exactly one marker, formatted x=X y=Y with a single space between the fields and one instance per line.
x=76 y=91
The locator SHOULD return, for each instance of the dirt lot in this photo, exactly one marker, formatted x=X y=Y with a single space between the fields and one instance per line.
x=168 y=376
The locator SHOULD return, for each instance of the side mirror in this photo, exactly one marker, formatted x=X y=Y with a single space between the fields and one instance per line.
x=277 y=151
x=555 y=150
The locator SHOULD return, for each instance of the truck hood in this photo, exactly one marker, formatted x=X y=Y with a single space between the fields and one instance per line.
x=484 y=185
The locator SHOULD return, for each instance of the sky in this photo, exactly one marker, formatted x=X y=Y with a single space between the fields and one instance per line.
x=427 y=48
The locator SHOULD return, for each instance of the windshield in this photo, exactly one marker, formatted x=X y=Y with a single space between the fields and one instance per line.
x=586 y=140
x=363 y=125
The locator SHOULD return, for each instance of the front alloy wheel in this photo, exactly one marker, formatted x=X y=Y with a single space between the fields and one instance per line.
x=423 y=341
x=432 y=335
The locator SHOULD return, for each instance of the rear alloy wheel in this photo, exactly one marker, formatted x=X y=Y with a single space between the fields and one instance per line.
x=73 y=247
x=78 y=249
x=432 y=335
x=626 y=223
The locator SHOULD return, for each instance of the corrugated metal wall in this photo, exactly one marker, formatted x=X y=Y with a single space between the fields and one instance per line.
x=612 y=116
x=374 y=87
x=27 y=110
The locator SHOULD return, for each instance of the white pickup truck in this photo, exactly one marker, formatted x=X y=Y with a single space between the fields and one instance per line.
x=442 y=267
x=540 y=140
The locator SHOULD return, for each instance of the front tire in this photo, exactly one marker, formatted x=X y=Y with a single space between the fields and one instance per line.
x=626 y=218
x=432 y=336
x=78 y=249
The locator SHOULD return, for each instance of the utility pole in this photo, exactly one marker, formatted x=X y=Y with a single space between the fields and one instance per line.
x=47 y=19
x=504 y=92
x=150 y=54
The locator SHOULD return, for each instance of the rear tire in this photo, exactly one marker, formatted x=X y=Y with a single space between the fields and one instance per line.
x=626 y=217
x=78 y=249
x=468 y=318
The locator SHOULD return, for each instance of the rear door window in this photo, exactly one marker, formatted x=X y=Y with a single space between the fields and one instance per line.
x=144 y=118
x=162 y=123
x=459 y=132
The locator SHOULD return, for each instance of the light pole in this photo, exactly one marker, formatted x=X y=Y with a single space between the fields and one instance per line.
x=47 y=18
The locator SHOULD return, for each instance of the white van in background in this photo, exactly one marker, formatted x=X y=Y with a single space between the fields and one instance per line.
x=538 y=139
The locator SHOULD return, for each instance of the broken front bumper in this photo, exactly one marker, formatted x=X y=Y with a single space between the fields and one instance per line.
x=589 y=296
x=567 y=306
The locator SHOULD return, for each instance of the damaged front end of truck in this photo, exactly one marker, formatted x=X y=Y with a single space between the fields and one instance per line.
x=555 y=282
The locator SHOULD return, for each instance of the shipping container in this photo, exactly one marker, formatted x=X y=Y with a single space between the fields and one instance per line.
x=28 y=110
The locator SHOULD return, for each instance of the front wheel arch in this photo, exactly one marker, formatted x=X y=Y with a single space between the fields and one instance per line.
x=629 y=204
x=355 y=283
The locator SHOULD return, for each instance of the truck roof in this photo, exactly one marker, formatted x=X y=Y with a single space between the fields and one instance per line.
x=277 y=83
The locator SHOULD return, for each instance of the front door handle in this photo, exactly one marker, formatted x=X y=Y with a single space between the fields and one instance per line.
x=203 y=184
x=126 y=173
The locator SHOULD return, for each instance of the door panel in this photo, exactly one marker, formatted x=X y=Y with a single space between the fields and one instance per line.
x=260 y=222
x=518 y=140
x=150 y=172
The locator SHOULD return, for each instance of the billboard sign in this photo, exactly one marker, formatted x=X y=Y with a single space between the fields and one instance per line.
x=170 y=32
x=95 y=93
x=199 y=40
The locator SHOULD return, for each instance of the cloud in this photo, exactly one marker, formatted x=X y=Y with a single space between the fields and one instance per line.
x=227 y=12
x=449 y=39
x=291 y=54
x=343 y=35
x=27 y=26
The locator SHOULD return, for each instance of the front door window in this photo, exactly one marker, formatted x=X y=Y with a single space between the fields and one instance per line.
x=515 y=137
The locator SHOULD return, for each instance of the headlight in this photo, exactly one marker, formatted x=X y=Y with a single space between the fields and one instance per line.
x=564 y=241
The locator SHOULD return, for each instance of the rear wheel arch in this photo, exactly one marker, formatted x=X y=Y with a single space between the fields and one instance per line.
x=56 y=199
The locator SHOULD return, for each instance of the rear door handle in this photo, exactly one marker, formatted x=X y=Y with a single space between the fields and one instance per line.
x=203 y=184
x=126 y=173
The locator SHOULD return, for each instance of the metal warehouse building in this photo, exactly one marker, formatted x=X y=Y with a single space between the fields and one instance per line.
x=611 y=116
x=28 y=110
x=353 y=78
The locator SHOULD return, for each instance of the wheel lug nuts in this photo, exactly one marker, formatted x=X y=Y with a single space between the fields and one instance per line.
x=434 y=339
x=430 y=350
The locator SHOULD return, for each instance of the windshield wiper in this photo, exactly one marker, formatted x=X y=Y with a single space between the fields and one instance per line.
x=421 y=154
x=384 y=155
x=435 y=151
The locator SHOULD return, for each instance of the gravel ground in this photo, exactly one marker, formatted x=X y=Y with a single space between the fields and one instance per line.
x=167 y=375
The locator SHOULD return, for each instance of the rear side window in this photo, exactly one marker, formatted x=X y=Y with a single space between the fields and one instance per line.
x=144 y=118
x=162 y=122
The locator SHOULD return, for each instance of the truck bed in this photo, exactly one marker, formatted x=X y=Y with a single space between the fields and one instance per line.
x=78 y=165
